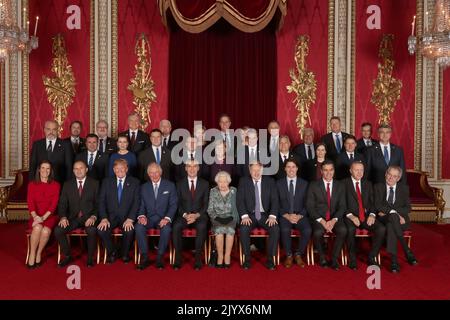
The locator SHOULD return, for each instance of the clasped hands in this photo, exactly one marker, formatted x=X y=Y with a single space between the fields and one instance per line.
x=271 y=221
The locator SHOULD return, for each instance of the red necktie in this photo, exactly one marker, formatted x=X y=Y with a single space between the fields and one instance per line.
x=80 y=192
x=360 y=203
x=192 y=189
x=328 y=215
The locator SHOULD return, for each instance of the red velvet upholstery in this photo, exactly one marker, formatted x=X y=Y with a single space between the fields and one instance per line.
x=259 y=232
x=295 y=233
x=19 y=188
x=153 y=232
x=362 y=232
x=116 y=231
x=188 y=232
x=407 y=233
x=77 y=231
x=417 y=194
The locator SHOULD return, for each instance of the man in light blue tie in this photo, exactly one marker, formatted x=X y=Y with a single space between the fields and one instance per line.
x=156 y=153
x=334 y=140
x=384 y=154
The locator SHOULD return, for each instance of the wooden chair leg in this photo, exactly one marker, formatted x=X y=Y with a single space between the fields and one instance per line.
x=59 y=253
x=170 y=252
x=312 y=253
x=409 y=242
x=98 y=251
x=135 y=251
x=28 y=249
x=241 y=256
x=379 y=258
x=278 y=255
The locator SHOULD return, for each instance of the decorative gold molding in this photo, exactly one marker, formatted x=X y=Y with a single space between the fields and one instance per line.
x=92 y=68
x=3 y=122
x=330 y=84
x=102 y=48
x=114 y=65
x=419 y=92
x=25 y=97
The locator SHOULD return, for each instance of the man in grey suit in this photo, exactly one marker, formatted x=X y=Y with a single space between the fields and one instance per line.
x=157 y=211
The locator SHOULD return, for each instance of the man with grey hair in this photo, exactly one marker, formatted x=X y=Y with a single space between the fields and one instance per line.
x=393 y=206
x=139 y=139
x=305 y=151
x=166 y=128
x=53 y=149
x=105 y=144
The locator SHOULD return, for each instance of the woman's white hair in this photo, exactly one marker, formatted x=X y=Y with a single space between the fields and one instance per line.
x=222 y=174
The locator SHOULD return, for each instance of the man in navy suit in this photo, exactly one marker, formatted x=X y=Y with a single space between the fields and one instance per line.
x=292 y=192
x=156 y=153
x=157 y=211
x=285 y=154
x=139 y=140
x=346 y=158
x=257 y=204
x=326 y=206
x=53 y=149
x=97 y=163
x=383 y=155
x=306 y=150
x=105 y=144
x=193 y=196
x=118 y=206
x=334 y=140
x=366 y=142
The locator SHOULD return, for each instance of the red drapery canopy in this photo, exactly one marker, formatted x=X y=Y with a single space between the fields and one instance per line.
x=196 y=16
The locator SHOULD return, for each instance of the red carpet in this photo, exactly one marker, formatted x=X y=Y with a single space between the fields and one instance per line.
x=429 y=280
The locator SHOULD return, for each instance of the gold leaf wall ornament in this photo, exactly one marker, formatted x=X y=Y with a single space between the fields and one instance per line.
x=61 y=88
x=386 y=88
x=142 y=84
x=303 y=84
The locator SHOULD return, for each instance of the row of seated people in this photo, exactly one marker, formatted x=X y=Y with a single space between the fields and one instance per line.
x=323 y=206
x=139 y=149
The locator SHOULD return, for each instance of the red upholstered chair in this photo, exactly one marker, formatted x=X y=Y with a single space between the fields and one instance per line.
x=192 y=233
x=329 y=236
x=115 y=233
x=80 y=234
x=360 y=233
x=258 y=233
x=296 y=234
x=427 y=203
x=16 y=197
x=150 y=233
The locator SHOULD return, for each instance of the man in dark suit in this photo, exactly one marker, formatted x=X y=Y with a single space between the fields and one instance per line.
x=393 y=206
x=139 y=140
x=105 y=144
x=191 y=151
x=257 y=204
x=292 y=194
x=156 y=153
x=305 y=151
x=326 y=206
x=334 y=140
x=118 y=207
x=361 y=214
x=251 y=154
x=53 y=149
x=273 y=137
x=77 y=208
x=157 y=211
x=166 y=128
x=97 y=163
x=284 y=155
x=193 y=195
x=366 y=140
x=76 y=142
x=346 y=158
x=383 y=155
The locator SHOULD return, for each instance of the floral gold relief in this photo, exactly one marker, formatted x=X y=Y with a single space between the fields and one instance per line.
x=61 y=88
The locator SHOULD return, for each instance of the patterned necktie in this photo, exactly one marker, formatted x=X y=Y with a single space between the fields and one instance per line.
x=368 y=143
x=291 y=196
x=91 y=161
x=310 y=156
x=155 y=190
x=338 y=144
x=284 y=158
x=257 y=204
x=49 y=147
x=391 y=196
x=192 y=190
x=386 y=155
x=328 y=214
x=360 y=203
x=100 y=146
x=133 y=138
x=119 y=191
x=351 y=157
x=158 y=157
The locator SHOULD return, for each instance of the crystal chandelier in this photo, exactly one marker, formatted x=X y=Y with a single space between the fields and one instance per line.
x=435 y=43
x=12 y=37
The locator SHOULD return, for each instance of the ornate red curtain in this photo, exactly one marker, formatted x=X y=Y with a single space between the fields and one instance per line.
x=396 y=17
x=198 y=15
x=222 y=70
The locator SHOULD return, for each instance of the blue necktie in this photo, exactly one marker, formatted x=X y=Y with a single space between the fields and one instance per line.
x=91 y=161
x=119 y=191
x=338 y=144
x=386 y=155
x=158 y=157
x=257 y=204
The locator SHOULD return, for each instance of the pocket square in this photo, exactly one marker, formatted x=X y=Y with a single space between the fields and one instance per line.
x=165 y=192
x=141 y=141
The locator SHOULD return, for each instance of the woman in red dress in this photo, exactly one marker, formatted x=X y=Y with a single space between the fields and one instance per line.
x=43 y=196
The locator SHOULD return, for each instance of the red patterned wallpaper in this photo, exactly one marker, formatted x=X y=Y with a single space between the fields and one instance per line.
x=396 y=18
x=135 y=17
x=303 y=17
x=446 y=126
x=52 y=20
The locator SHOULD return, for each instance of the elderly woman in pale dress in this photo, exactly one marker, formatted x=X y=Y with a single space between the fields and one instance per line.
x=224 y=216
